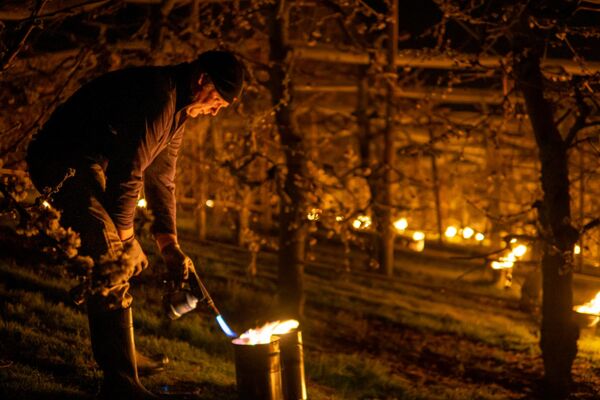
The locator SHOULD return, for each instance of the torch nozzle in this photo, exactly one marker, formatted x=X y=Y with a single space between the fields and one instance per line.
x=201 y=292
x=225 y=328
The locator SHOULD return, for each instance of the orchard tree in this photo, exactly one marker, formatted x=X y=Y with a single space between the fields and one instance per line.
x=524 y=40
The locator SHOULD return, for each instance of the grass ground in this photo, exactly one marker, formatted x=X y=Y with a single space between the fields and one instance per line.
x=420 y=335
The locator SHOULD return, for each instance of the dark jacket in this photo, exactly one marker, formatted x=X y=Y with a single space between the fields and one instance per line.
x=131 y=123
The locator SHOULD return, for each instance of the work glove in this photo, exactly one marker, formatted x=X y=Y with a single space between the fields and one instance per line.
x=179 y=265
x=135 y=255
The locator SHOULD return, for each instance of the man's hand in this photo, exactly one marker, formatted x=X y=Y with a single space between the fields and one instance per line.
x=136 y=255
x=178 y=264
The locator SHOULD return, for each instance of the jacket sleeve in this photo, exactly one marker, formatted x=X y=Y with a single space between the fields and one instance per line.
x=159 y=185
x=124 y=179
x=135 y=144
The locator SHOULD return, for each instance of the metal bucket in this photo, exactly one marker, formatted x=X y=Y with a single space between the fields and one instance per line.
x=292 y=364
x=258 y=371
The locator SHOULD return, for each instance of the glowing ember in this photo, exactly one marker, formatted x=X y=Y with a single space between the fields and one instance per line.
x=210 y=203
x=591 y=307
x=142 y=203
x=45 y=204
x=263 y=334
x=479 y=237
x=577 y=249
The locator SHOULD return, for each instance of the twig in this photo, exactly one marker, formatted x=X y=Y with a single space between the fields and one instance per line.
x=23 y=213
x=584 y=111
x=467 y=272
x=80 y=57
x=590 y=225
x=11 y=55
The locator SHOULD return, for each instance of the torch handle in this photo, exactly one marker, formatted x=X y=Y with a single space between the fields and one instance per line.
x=201 y=292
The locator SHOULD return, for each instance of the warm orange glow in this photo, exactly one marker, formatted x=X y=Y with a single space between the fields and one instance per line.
x=502 y=264
x=362 y=222
x=591 y=307
x=210 y=203
x=468 y=232
x=418 y=235
x=401 y=224
x=451 y=231
x=45 y=204
x=577 y=249
x=142 y=203
x=263 y=334
x=520 y=250
x=479 y=236
x=314 y=214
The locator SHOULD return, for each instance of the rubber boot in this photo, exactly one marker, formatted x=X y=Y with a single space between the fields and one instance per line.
x=147 y=366
x=114 y=350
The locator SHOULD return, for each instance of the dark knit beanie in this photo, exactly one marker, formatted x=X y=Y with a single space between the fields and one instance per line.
x=224 y=70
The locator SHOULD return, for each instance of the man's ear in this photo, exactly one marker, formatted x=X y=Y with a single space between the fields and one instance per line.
x=202 y=80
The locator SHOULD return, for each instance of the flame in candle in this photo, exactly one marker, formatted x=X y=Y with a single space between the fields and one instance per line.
x=468 y=232
x=401 y=224
x=591 y=307
x=263 y=334
x=450 y=232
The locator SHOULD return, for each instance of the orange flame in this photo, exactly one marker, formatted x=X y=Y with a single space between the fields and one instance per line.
x=591 y=307
x=263 y=334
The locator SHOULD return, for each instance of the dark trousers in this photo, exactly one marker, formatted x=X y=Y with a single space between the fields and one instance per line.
x=81 y=203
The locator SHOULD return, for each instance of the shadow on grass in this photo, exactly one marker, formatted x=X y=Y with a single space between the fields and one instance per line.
x=16 y=278
x=203 y=390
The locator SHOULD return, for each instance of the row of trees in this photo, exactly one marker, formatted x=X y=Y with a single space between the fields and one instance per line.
x=346 y=105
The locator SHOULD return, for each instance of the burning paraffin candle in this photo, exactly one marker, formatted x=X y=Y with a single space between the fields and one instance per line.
x=263 y=334
x=258 y=362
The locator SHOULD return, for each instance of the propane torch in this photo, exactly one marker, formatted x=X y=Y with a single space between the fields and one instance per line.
x=183 y=301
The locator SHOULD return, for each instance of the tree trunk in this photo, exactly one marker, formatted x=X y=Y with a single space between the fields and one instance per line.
x=369 y=159
x=559 y=333
x=292 y=216
x=388 y=233
x=436 y=188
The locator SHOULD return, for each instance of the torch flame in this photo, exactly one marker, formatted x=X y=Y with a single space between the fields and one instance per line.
x=263 y=334
x=591 y=307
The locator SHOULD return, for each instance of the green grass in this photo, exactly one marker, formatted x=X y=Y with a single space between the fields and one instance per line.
x=420 y=336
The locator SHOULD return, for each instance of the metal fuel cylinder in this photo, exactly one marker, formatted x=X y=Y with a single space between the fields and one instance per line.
x=292 y=365
x=258 y=371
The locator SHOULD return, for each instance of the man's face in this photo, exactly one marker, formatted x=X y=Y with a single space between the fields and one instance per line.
x=207 y=101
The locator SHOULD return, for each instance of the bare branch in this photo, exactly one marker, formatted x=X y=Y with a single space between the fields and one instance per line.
x=590 y=225
x=584 y=112
x=12 y=54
